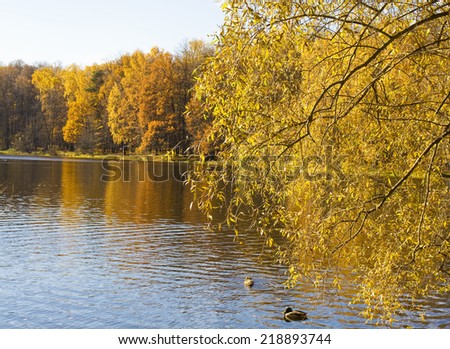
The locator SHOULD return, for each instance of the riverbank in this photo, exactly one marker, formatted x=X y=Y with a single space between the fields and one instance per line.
x=112 y=156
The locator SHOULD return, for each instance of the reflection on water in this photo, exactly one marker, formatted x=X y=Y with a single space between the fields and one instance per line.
x=76 y=252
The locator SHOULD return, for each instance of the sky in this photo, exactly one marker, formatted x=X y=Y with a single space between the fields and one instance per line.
x=85 y=32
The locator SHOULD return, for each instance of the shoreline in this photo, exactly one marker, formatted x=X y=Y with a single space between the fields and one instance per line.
x=74 y=156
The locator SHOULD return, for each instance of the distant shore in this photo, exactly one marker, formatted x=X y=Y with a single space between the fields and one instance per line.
x=59 y=155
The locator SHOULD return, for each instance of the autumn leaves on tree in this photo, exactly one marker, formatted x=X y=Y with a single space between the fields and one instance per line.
x=335 y=121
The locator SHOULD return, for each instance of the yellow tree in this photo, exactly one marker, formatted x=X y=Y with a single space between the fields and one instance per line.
x=86 y=124
x=75 y=84
x=122 y=119
x=335 y=121
x=156 y=107
x=48 y=81
x=98 y=90
x=124 y=99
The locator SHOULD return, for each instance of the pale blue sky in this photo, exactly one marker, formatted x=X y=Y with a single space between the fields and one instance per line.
x=94 y=31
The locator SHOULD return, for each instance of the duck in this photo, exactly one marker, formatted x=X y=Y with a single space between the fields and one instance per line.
x=249 y=281
x=294 y=315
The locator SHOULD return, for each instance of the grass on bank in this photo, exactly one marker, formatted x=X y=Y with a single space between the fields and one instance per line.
x=113 y=156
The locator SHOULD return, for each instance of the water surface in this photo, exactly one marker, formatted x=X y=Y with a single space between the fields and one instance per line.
x=78 y=252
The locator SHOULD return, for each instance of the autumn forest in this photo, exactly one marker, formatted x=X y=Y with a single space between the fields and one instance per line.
x=137 y=102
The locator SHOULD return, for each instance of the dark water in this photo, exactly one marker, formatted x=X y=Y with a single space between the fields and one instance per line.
x=78 y=252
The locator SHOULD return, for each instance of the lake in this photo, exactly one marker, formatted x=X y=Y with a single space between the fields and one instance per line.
x=80 y=252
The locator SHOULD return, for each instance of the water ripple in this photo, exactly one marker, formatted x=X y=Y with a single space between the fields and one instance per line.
x=76 y=253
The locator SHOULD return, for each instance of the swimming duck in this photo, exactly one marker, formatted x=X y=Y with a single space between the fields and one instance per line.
x=249 y=281
x=294 y=315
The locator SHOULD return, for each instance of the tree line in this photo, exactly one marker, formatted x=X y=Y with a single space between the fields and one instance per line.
x=136 y=102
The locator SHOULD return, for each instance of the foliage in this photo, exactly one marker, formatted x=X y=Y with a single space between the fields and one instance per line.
x=19 y=110
x=335 y=125
x=188 y=65
x=121 y=123
x=49 y=82
x=138 y=101
x=198 y=124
